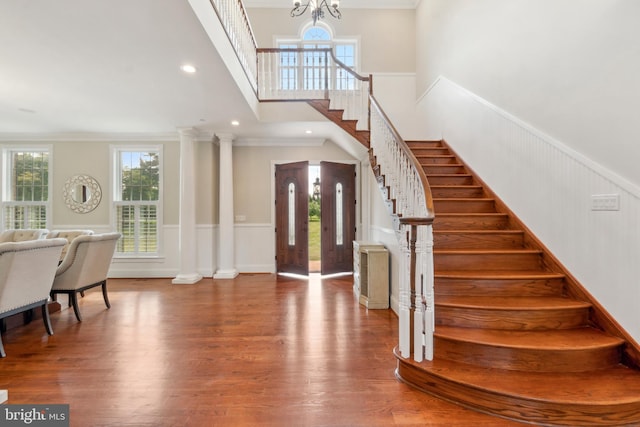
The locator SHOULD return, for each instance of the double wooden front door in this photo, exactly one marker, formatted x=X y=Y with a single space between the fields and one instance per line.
x=337 y=219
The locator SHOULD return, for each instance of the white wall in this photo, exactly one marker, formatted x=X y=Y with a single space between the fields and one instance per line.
x=543 y=107
x=549 y=186
x=395 y=92
x=378 y=51
x=567 y=67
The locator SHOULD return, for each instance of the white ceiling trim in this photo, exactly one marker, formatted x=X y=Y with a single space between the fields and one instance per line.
x=345 y=4
x=89 y=137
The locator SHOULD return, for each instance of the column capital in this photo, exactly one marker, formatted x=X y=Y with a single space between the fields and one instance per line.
x=187 y=132
x=225 y=137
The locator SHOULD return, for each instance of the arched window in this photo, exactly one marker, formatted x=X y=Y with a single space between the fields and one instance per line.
x=312 y=75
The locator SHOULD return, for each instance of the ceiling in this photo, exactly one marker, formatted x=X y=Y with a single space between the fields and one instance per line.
x=94 y=69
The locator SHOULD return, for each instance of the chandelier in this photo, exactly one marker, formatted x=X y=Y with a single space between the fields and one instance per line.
x=316 y=9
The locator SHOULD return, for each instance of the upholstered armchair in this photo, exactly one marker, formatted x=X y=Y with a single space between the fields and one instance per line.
x=69 y=235
x=85 y=266
x=21 y=235
x=27 y=270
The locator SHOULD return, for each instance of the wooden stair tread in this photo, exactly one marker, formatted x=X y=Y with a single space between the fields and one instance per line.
x=498 y=274
x=479 y=231
x=434 y=156
x=463 y=199
x=336 y=116
x=485 y=251
x=456 y=186
x=561 y=339
x=524 y=303
x=472 y=214
x=619 y=385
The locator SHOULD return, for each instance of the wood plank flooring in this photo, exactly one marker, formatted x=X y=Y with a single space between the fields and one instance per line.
x=259 y=350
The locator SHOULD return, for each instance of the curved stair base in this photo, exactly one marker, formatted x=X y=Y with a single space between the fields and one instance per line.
x=608 y=397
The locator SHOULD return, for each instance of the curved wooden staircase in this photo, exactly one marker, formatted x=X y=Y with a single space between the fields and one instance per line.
x=515 y=335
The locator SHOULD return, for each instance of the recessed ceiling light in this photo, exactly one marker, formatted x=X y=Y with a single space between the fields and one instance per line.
x=308 y=131
x=235 y=123
x=188 y=68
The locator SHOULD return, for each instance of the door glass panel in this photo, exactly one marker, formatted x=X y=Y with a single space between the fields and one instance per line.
x=339 y=227
x=292 y=214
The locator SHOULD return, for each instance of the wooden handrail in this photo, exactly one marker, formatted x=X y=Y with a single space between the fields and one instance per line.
x=349 y=69
x=228 y=31
x=248 y=24
x=414 y=163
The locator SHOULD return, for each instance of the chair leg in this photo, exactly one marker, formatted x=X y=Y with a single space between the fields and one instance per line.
x=2 y=353
x=73 y=296
x=104 y=294
x=46 y=319
x=27 y=316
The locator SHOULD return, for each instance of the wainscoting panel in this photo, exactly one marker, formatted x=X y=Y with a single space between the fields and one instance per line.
x=550 y=187
x=255 y=248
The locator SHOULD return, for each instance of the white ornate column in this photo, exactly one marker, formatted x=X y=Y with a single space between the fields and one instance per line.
x=226 y=238
x=187 y=242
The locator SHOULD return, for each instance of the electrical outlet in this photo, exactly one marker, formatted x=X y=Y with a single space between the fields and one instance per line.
x=241 y=218
x=605 y=202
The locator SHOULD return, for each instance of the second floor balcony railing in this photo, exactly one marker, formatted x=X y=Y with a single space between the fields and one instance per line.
x=302 y=74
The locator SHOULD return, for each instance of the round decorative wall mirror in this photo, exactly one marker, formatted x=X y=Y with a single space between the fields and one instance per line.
x=82 y=193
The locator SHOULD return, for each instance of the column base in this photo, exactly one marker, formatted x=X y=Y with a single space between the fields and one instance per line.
x=187 y=279
x=226 y=274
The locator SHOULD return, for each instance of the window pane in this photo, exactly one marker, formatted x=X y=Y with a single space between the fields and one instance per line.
x=292 y=214
x=148 y=241
x=345 y=53
x=140 y=176
x=25 y=216
x=339 y=226
x=316 y=33
x=27 y=190
x=126 y=226
x=29 y=180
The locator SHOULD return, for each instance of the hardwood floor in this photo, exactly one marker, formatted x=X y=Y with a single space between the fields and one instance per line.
x=259 y=350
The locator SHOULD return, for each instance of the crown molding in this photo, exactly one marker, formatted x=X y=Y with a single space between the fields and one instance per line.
x=88 y=137
x=199 y=135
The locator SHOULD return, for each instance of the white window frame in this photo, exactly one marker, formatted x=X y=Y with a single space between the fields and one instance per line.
x=6 y=180
x=116 y=199
x=333 y=41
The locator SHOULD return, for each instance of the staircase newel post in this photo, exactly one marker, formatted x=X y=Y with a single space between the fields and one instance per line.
x=418 y=285
x=404 y=302
x=412 y=290
x=429 y=297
